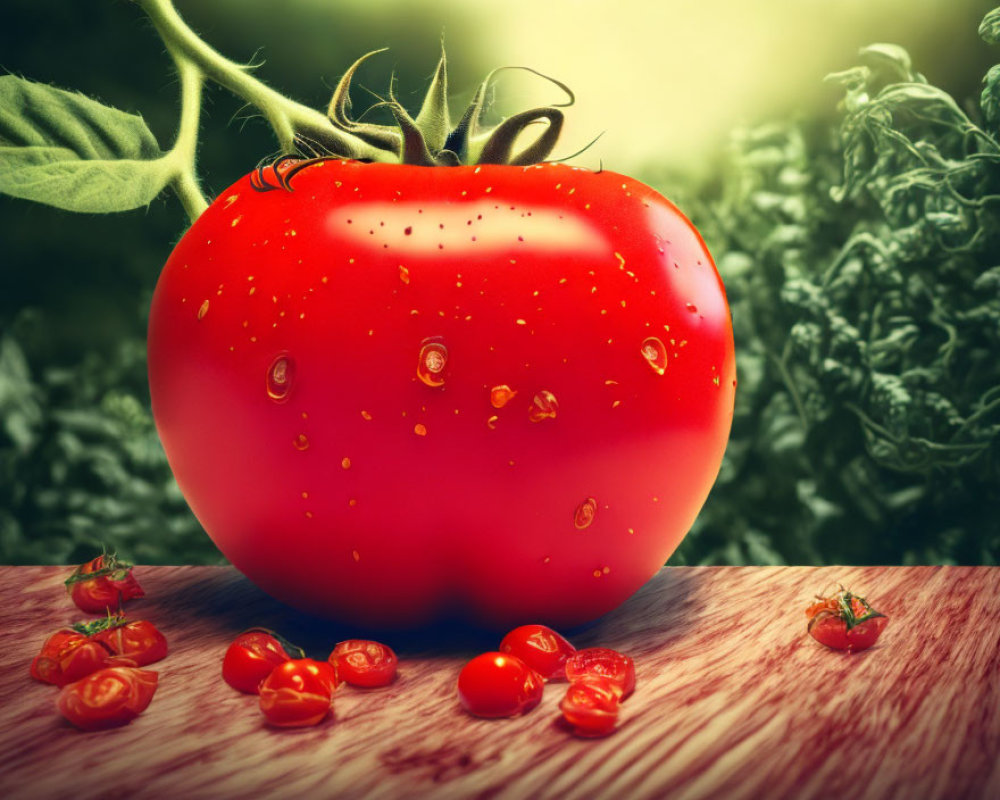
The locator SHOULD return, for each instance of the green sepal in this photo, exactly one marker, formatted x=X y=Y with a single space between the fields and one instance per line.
x=111 y=567
x=110 y=622
x=383 y=137
x=432 y=120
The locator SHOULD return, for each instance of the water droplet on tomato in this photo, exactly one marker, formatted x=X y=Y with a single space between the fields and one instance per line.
x=655 y=353
x=420 y=429
x=544 y=406
x=279 y=378
x=501 y=395
x=585 y=513
x=203 y=310
x=301 y=442
x=431 y=362
x=345 y=462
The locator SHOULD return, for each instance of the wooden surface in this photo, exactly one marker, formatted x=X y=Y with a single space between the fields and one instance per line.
x=733 y=699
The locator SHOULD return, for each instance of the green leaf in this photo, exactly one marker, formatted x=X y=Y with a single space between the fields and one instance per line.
x=990 y=99
x=989 y=28
x=66 y=150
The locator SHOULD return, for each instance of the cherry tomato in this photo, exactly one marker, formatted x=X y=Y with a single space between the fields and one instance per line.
x=103 y=584
x=107 y=698
x=298 y=692
x=602 y=663
x=364 y=663
x=591 y=706
x=845 y=622
x=431 y=379
x=253 y=655
x=133 y=644
x=541 y=648
x=499 y=685
x=67 y=656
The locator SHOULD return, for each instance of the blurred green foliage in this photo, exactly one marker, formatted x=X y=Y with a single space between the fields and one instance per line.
x=861 y=254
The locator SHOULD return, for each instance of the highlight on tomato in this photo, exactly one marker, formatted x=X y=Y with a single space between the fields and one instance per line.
x=591 y=706
x=602 y=662
x=298 y=693
x=499 y=685
x=845 y=621
x=541 y=648
x=253 y=655
x=107 y=698
x=103 y=584
x=364 y=663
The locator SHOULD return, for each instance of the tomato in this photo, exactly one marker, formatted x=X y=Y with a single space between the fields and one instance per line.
x=364 y=663
x=107 y=698
x=298 y=692
x=591 y=706
x=391 y=391
x=541 y=648
x=601 y=662
x=103 y=584
x=845 y=622
x=499 y=685
x=134 y=644
x=253 y=655
x=67 y=656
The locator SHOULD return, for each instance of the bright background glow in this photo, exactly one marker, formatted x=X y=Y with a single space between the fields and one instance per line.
x=666 y=80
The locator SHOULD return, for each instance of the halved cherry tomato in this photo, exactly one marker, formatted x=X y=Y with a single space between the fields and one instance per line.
x=134 y=644
x=67 y=656
x=298 y=692
x=845 y=622
x=591 y=706
x=364 y=663
x=541 y=648
x=602 y=662
x=107 y=698
x=253 y=655
x=103 y=583
x=499 y=685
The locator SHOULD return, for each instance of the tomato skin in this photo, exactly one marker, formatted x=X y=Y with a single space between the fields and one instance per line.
x=828 y=624
x=497 y=684
x=364 y=663
x=541 y=648
x=301 y=315
x=68 y=656
x=98 y=595
x=251 y=657
x=602 y=662
x=298 y=693
x=134 y=644
x=591 y=706
x=107 y=698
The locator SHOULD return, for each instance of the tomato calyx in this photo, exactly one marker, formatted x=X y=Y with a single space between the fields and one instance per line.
x=429 y=139
x=111 y=567
x=110 y=622
x=293 y=650
x=844 y=605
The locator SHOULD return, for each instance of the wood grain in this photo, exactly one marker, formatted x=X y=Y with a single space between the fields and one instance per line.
x=733 y=699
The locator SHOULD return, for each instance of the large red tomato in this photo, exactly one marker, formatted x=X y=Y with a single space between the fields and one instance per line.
x=389 y=392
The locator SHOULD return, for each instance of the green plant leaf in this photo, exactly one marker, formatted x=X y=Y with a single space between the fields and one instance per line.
x=989 y=28
x=66 y=150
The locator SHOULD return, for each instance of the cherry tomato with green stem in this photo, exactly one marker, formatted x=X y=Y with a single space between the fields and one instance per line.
x=253 y=655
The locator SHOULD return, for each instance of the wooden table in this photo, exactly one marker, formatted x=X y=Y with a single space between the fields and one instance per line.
x=733 y=700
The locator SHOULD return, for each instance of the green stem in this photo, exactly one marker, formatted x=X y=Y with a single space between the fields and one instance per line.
x=288 y=118
x=184 y=151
